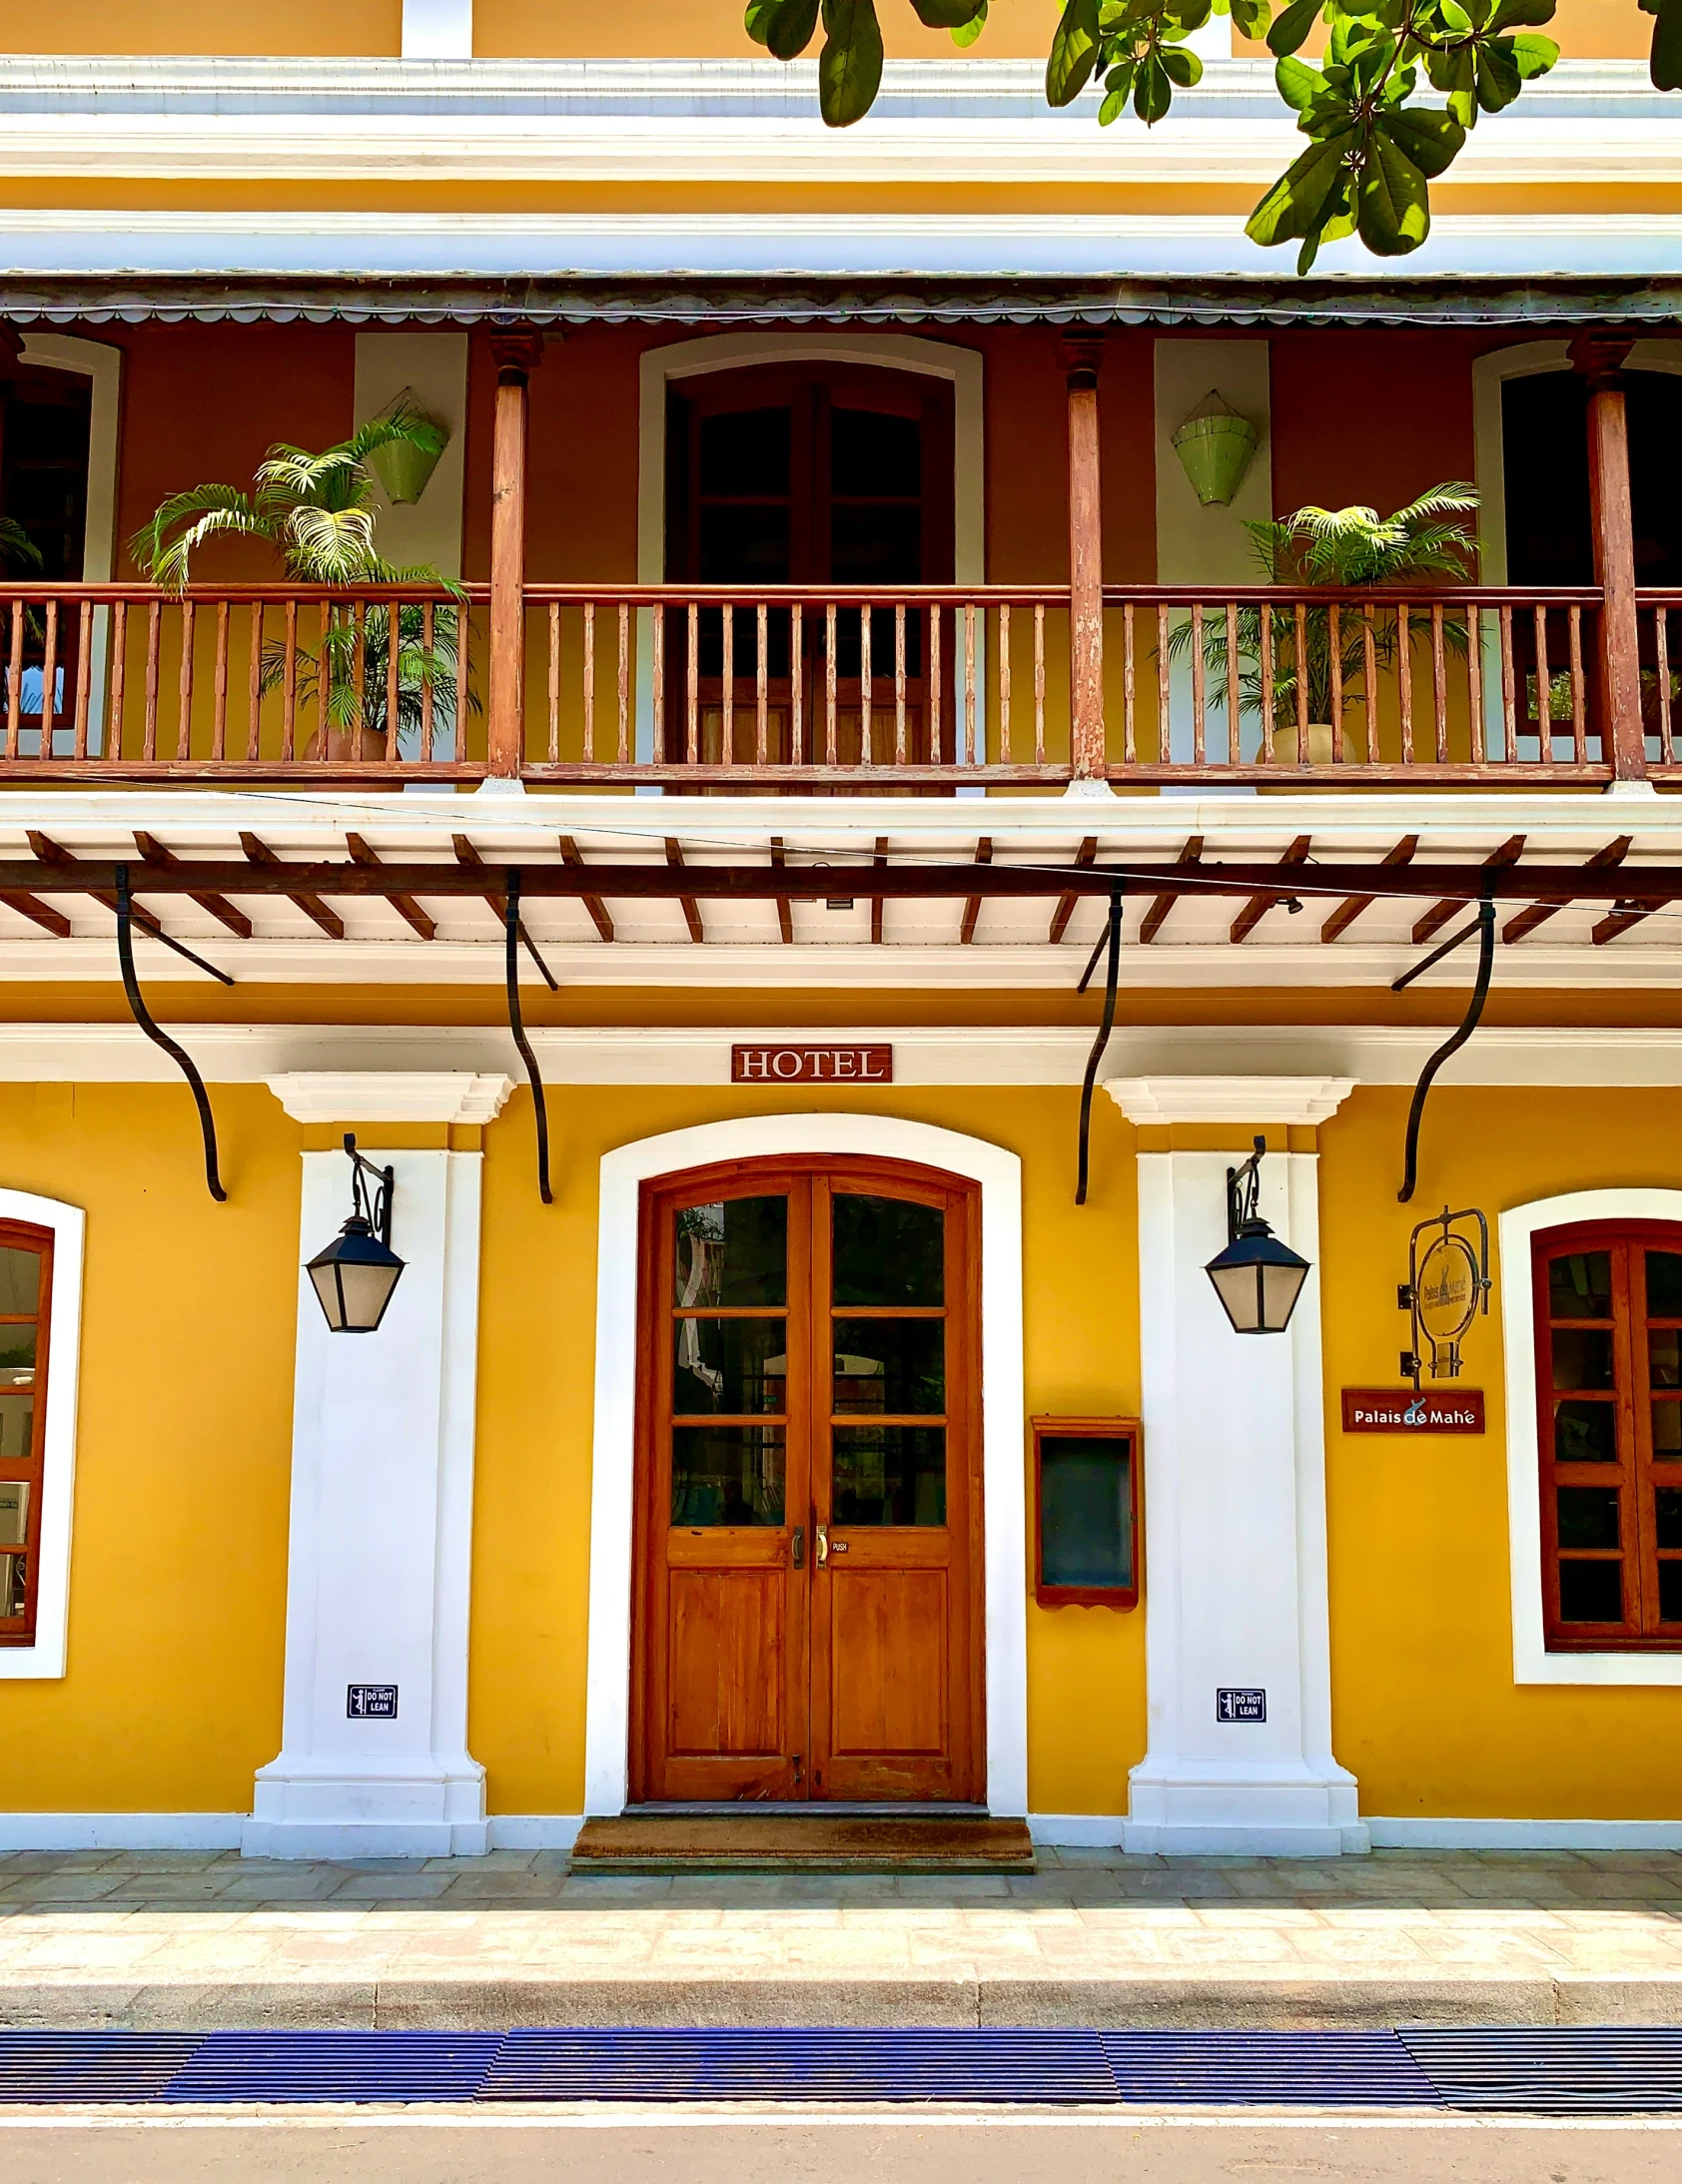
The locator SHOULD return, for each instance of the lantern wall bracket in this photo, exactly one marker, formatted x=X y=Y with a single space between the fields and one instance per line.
x=1243 y=1191
x=1485 y=930
x=1109 y=942
x=370 y=1201
x=160 y=1038
x=517 y=1025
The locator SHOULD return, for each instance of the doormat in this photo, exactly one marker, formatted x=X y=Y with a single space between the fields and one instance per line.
x=777 y=1843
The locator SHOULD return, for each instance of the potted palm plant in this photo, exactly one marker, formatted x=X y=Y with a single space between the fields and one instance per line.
x=1353 y=548
x=317 y=511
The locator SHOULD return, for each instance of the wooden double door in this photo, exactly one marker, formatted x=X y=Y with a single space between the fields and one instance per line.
x=818 y=476
x=808 y=1617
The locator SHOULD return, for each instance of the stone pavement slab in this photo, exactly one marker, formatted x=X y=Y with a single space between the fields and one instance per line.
x=200 y=1940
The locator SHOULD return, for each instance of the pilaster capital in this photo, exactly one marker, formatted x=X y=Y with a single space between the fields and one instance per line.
x=390 y=1095
x=1304 y=1101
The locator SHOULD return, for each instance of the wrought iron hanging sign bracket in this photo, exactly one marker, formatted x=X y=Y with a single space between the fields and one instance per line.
x=1447 y=1288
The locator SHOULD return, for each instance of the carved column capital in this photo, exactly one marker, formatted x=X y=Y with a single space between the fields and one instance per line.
x=1082 y=357
x=517 y=351
x=1600 y=357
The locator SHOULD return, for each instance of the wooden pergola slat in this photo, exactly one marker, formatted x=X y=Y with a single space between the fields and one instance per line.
x=1526 y=921
x=1252 y=912
x=264 y=859
x=785 y=916
x=1510 y=851
x=219 y=907
x=1351 y=909
x=592 y=903
x=691 y=908
x=1065 y=910
x=400 y=899
x=971 y=907
x=1192 y=854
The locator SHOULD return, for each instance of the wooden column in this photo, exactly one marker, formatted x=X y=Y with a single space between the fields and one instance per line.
x=517 y=353
x=1081 y=357
x=1599 y=358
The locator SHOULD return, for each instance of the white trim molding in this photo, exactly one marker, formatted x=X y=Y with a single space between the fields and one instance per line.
x=44 y=1655
x=390 y=1095
x=1004 y=1490
x=437 y=30
x=1279 y=1100
x=1532 y=1663
x=120 y=1830
x=1415 y=1833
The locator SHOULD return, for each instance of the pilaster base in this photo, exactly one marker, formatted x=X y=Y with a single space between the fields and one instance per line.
x=1255 y=1812
x=304 y=1812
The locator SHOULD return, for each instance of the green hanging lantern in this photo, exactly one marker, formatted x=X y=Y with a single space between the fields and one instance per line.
x=404 y=467
x=1214 y=446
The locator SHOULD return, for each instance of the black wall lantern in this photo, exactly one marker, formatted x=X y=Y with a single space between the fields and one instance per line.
x=1257 y=1278
x=356 y=1274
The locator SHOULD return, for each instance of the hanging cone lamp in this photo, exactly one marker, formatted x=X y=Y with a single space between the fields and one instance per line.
x=404 y=467
x=1214 y=446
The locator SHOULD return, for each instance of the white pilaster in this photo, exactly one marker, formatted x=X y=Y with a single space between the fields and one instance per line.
x=437 y=30
x=381 y=1539
x=1235 y=1515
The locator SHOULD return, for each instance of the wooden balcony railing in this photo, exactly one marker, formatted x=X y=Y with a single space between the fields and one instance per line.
x=833 y=689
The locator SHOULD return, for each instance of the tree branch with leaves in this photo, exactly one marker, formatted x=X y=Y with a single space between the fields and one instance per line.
x=1386 y=110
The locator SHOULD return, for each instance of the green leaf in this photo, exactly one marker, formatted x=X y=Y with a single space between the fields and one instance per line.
x=1509 y=12
x=1294 y=204
x=1117 y=84
x=966 y=34
x=1498 y=80
x=1293 y=25
x=1298 y=83
x=1666 y=64
x=787 y=27
x=850 y=65
x=758 y=17
x=1183 y=65
x=1392 y=207
x=1073 y=53
x=944 y=14
x=1429 y=141
x=1249 y=17
x=1153 y=90
x=1534 y=56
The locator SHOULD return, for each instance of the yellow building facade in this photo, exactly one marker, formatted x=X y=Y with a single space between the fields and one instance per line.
x=818 y=878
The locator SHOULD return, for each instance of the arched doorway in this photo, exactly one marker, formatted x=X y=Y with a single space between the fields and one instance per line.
x=807 y=1595
x=821 y=473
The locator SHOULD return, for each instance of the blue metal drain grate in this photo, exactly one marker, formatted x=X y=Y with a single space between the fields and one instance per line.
x=849 y=2063
x=54 y=2067
x=1570 y=2070
x=1540 y=2071
x=1324 y=2070
x=349 y=2066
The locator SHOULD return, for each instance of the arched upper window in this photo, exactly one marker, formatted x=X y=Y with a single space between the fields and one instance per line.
x=1544 y=463
x=1608 y=1321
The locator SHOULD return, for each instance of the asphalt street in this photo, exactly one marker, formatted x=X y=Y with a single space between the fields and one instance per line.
x=667 y=2147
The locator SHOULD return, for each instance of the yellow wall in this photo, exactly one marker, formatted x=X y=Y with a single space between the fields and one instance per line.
x=178 y=1566
x=1424 y=1707
x=172 y=1696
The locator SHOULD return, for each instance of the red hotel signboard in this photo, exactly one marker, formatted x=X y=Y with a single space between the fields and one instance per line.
x=1399 y=1410
x=811 y=1065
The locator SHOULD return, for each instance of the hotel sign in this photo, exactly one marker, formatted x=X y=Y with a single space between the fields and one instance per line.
x=811 y=1065
x=1399 y=1410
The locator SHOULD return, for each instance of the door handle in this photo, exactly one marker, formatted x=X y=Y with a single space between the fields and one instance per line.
x=823 y=1545
x=799 y=1554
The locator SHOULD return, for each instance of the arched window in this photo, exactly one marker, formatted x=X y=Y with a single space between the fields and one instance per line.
x=1608 y=1327
x=45 y=417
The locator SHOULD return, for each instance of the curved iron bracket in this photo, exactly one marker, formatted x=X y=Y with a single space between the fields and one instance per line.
x=143 y=1017
x=1111 y=941
x=517 y=1025
x=1449 y=1047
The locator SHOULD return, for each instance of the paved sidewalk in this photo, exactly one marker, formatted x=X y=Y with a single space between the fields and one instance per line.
x=190 y=1940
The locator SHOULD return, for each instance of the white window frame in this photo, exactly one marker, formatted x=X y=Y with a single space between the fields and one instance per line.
x=1532 y=1663
x=44 y=1655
